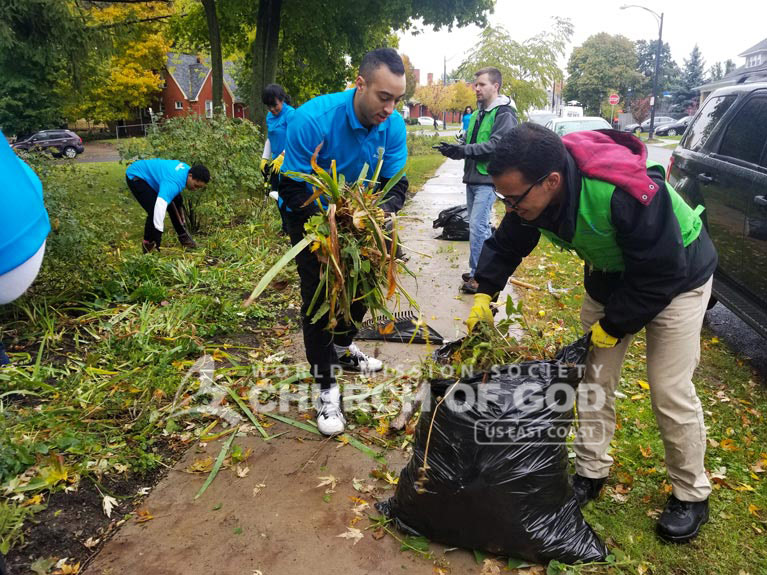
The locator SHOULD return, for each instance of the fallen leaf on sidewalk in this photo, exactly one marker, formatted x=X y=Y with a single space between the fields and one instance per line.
x=491 y=567
x=359 y=510
x=143 y=516
x=203 y=465
x=257 y=489
x=352 y=533
x=328 y=481
x=361 y=486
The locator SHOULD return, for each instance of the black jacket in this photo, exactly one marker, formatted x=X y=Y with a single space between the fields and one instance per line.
x=657 y=265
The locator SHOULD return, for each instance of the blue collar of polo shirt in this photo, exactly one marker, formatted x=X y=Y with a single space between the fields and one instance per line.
x=353 y=120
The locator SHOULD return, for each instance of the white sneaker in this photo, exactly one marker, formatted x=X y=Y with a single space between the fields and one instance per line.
x=330 y=418
x=352 y=358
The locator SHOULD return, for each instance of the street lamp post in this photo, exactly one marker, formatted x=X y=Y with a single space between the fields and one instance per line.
x=654 y=99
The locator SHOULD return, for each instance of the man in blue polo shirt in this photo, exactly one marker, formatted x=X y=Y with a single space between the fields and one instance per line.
x=157 y=183
x=352 y=127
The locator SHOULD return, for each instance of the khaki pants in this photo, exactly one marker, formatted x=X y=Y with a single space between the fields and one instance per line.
x=673 y=352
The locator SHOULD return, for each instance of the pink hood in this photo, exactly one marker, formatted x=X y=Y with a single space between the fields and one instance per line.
x=615 y=157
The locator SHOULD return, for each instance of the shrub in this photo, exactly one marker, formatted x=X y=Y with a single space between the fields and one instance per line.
x=230 y=148
x=73 y=243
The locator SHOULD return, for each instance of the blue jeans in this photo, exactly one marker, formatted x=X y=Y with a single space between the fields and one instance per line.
x=479 y=202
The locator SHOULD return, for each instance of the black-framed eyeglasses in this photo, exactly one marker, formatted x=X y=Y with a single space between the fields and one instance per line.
x=513 y=203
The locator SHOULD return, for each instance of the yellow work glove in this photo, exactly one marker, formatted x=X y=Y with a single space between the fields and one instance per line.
x=600 y=338
x=263 y=164
x=480 y=311
x=277 y=163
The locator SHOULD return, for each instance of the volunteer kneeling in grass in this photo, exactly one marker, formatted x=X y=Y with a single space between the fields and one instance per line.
x=648 y=264
x=158 y=183
x=24 y=227
x=353 y=127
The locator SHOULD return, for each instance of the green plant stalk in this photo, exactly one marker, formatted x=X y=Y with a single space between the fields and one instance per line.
x=276 y=268
x=217 y=465
x=247 y=412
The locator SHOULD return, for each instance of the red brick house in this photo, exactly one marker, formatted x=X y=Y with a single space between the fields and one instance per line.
x=188 y=88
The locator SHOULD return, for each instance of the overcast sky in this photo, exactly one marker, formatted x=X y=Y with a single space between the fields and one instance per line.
x=722 y=30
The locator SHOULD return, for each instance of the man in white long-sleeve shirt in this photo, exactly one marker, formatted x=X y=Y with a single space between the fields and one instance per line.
x=157 y=183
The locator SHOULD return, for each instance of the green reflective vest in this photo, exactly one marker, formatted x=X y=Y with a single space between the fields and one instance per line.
x=485 y=129
x=594 y=238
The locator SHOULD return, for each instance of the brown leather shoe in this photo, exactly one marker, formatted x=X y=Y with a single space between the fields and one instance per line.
x=470 y=286
x=466 y=276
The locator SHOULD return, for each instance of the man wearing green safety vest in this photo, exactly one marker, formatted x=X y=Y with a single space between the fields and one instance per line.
x=494 y=117
x=648 y=264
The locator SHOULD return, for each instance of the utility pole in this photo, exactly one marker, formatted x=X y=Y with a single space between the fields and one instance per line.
x=654 y=98
x=655 y=77
x=444 y=87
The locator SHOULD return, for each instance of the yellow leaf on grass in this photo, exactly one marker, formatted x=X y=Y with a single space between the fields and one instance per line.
x=714 y=340
x=728 y=445
x=753 y=509
x=643 y=384
x=646 y=451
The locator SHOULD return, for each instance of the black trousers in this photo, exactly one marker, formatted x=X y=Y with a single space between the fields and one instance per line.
x=147 y=197
x=274 y=184
x=318 y=340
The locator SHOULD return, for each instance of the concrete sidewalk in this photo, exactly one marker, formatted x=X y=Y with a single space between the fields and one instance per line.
x=277 y=520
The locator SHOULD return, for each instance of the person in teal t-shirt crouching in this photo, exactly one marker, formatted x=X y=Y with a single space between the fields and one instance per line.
x=156 y=184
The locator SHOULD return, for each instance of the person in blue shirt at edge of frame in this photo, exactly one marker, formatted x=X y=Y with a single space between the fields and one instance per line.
x=24 y=227
x=277 y=119
x=467 y=112
x=352 y=127
x=157 y=184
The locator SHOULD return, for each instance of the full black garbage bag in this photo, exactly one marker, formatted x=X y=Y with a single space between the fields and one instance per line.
x=454 y=223
x=509 y=495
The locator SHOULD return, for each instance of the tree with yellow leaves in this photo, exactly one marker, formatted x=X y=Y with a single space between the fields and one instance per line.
x=436 y=97
x=128 y=77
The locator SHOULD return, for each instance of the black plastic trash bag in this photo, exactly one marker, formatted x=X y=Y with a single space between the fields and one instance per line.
x=454 y=223
x=497 y=476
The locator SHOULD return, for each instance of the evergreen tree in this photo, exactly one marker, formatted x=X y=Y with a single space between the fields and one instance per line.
x=693 y=75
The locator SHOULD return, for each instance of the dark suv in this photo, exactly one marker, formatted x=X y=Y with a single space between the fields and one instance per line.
x=61 y=143
x=721 y=163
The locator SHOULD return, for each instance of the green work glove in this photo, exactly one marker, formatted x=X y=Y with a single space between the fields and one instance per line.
x=600 y=338
x=480 y=311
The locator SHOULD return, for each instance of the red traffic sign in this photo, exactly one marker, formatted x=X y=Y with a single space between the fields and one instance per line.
x=614 y=99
